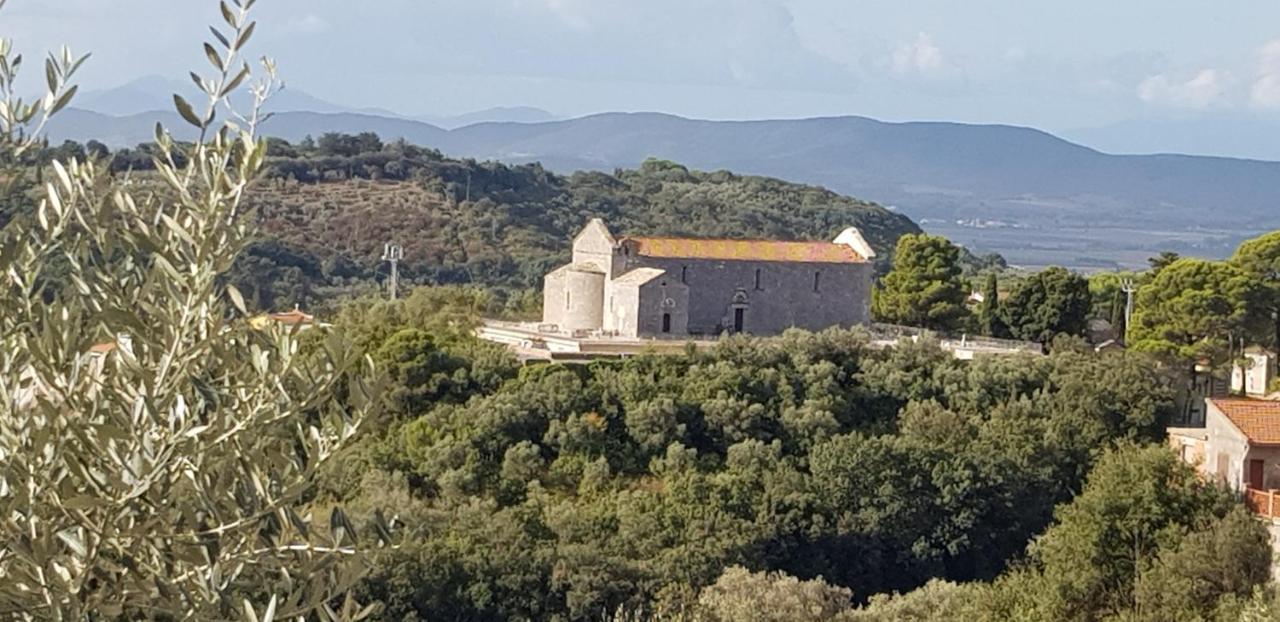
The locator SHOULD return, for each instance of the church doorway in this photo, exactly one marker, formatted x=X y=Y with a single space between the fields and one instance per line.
x=666 y=322
x=739 y=319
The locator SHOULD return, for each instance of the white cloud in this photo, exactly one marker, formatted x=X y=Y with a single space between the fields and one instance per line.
x=1266 y=89
x=309 y=24
x=920 y=56
x=1203 y=89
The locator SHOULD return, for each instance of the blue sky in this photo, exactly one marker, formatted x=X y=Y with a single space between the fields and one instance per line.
x=1055 y=65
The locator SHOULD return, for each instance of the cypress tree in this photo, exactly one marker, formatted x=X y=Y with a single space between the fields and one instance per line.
x=989 y=320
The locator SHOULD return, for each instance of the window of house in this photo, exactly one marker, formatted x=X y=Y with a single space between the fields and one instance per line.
x=758 y=271
x=817 y=280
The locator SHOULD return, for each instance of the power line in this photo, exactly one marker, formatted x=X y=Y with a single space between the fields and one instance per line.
x=1128 y=288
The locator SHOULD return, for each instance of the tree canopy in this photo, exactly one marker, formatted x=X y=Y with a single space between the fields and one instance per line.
x=635 y=484
x=1192 y=307
x=925 y=288
x=1046 y=304
x=1259 y=260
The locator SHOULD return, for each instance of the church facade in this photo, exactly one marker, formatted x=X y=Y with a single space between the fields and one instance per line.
x=650 y=287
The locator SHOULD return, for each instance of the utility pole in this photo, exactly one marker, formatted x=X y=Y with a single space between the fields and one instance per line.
x=393 y=253
x=1128 y=289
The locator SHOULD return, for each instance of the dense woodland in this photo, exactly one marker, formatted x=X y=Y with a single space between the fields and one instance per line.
x=805 y=471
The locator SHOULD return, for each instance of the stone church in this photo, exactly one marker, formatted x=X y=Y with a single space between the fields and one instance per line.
x=649 y=287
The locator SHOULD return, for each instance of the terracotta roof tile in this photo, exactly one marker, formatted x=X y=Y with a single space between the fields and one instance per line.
x=744 y=250
x=292 y=318
x=1258 y=419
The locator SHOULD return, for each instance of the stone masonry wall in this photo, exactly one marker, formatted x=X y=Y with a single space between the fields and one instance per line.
x=784 y=296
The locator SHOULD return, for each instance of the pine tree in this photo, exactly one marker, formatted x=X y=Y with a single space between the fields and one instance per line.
x=924 y=289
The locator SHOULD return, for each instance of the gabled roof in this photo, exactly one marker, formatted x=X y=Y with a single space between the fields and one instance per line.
x=597 y=227
x=744 y=250
x=296 y=317
x=581 y=266
x=639 y=276
x=292 y=318
x=1258 y=420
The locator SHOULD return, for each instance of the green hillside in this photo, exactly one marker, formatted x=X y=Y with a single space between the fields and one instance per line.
x=327 y=209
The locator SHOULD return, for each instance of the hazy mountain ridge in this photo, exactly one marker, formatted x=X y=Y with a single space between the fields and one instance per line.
x=155 y=93
x=1242 y=136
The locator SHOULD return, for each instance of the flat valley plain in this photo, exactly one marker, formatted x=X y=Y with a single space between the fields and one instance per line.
x=1089 y=249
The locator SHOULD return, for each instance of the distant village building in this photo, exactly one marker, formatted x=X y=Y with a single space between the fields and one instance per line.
x=1254 y=373
x=651 y=287
x=287 y=319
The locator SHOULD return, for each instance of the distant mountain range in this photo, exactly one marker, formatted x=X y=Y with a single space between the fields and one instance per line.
x=1026 y=193
x=155 y=93
x=1244 y=136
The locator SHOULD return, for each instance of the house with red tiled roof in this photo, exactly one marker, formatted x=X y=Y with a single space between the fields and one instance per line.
x=1239 y=447
x=675 y=287
x=1242 y=442
x=287 y=319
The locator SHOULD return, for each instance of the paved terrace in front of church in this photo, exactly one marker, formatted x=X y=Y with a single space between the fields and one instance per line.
x=531 y=341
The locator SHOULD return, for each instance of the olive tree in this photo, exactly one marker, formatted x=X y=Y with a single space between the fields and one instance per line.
x=156 y=451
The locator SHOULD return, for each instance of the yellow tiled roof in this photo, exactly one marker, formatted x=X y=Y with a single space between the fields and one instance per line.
x=745 y=250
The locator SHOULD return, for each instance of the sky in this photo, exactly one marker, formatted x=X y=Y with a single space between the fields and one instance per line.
x=1055 y=65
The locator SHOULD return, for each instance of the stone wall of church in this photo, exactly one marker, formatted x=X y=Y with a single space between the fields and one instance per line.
x=663 y=309
x=771 y=296
x=658 y=308
x=573 y=299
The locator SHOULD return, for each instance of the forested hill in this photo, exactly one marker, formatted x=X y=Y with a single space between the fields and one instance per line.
x=328 y=207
